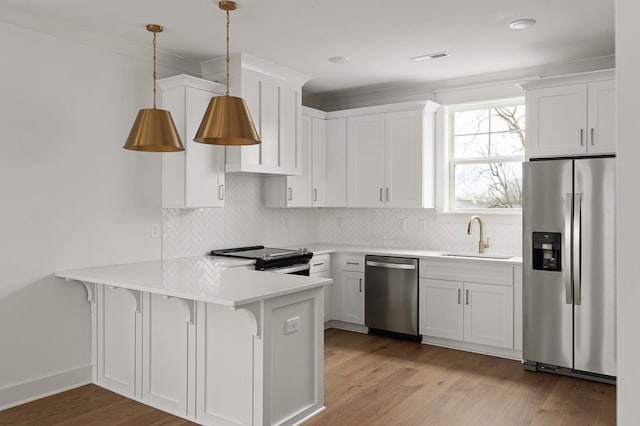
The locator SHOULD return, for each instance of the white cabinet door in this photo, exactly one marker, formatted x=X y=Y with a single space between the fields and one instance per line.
x=336 y=162
x=275 y=109
x=366 y=161
x=193 y=178
x=119 y=340
x=352 y=301
x=602 y=117
x=441 y=309
x=169 y=353
x=404 y=159
x=557 y=121
x=298 y=190
x=488 y=315
x=318 y=149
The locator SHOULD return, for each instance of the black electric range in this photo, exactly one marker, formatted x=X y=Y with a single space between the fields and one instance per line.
x=288 y=261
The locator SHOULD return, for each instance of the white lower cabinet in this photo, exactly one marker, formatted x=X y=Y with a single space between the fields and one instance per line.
x=470 y=303
x=348 y=291
x=119 y=330
x=352 y=306
x=169 y=353
x=470 y=312
x=211 y=363
x=321 y=267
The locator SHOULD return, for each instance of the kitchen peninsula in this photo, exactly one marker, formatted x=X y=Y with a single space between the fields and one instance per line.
x=207 y=339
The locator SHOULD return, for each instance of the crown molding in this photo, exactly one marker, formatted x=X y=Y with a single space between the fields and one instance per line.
x=88 y=37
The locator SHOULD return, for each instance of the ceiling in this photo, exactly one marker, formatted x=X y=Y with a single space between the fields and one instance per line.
x=377 y=36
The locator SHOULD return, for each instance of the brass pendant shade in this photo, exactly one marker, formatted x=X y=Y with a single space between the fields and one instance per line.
x=227 y=120
x=154 y=129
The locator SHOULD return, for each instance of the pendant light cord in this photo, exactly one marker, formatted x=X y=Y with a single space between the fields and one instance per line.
x=227 y=51
x=155 y=76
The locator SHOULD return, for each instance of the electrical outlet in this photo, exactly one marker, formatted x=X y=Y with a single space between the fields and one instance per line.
x=422 y=225
x=154 y=230
x=292 y=325
x=402 y=225
x=285 y=222
x=339 y=222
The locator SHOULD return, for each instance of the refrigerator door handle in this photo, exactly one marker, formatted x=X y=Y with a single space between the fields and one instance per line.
x=577 y=247
x=566 y=257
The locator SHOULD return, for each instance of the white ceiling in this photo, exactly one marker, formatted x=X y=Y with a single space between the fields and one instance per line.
x=378 y=36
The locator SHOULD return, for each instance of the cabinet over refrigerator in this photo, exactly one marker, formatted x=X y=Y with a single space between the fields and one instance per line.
x=569 y=267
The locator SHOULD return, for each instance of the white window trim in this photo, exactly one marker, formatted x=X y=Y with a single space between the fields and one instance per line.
x=444 y=167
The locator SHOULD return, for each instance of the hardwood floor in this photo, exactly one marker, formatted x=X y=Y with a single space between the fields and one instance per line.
x=379 y=381
x=376 y=380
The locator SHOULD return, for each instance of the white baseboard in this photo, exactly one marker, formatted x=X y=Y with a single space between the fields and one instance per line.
x=31 y=390
x=472 y=347
x=347 y=326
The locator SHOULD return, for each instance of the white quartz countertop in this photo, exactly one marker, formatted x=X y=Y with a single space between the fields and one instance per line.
x=202 y=278
x=327 y=248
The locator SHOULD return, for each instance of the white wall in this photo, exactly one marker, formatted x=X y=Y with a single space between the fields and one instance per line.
x=71 y=197
x=628 y=234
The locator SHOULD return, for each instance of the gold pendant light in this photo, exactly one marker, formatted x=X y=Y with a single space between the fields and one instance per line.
x=227 y=120
x=154 y=129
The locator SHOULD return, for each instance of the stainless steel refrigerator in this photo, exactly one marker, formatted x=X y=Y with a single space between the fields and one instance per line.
x=569 y=282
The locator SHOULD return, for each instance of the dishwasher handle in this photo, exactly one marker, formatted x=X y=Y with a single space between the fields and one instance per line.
x=390 y=265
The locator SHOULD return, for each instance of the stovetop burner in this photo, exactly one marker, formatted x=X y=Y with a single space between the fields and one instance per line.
x=267 y=257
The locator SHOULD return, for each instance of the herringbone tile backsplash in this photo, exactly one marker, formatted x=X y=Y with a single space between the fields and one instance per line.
x=245 y=221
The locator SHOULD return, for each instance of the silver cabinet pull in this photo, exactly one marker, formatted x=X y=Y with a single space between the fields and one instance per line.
x=220 y=192
x=290 y=190
x=592 y=136
x=459 y=292
x=381 y=199
x=360 y=285
x=315 y=194
x=318 y=264
x=388 y=191
x=467 y=296
x=581 y=137
x=353 y=263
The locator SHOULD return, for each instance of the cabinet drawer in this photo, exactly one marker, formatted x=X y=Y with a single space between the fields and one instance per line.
x=476 y=272
x=352 y=263
x=319 y=263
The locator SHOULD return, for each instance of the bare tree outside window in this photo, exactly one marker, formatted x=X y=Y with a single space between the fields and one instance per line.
x=486 y=156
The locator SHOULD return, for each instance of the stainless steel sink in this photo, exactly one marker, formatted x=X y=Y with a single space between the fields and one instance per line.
x=477 y=255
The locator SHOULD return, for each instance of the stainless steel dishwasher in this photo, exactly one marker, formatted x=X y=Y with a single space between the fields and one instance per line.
x=391 y=294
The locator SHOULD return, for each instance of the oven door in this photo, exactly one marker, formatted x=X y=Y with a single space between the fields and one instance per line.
x=299 y=269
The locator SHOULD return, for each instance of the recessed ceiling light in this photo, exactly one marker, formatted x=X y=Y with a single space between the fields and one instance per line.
x=522 y=24
x=437 y=55
x=338 y=59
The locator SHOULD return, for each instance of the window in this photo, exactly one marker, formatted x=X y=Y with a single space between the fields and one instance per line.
x=486 y=153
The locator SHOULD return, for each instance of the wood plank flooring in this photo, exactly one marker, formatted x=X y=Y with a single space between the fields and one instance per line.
x=373 y=380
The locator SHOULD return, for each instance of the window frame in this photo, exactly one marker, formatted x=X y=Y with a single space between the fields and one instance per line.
x=451 y=161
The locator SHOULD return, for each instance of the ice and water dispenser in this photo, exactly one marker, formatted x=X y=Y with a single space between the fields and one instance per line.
x=547 y=254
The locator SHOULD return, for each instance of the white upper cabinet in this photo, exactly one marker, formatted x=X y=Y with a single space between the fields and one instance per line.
x=307 y=189
x=274 y=97
x=390 y=158
x=336 y=162
x=318 y=162
x=193 y=178
x=366 y=161
x=601 y=107
x=571 y=117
